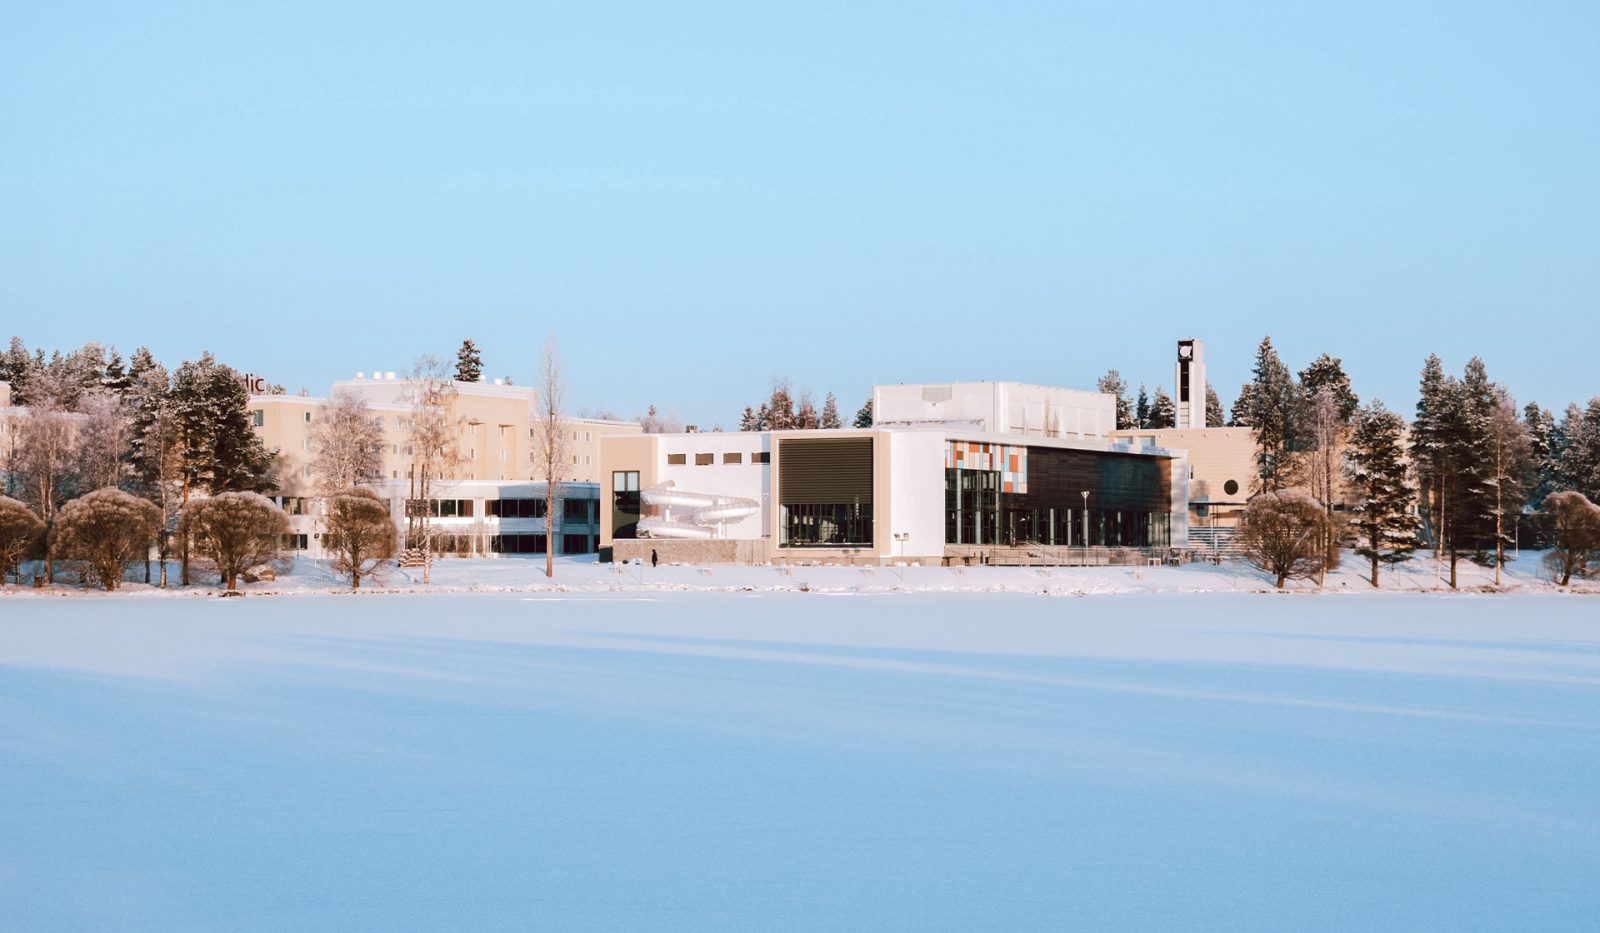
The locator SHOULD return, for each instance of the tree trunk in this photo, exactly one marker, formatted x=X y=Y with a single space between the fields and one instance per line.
x=550 y=530
x=1281 y=578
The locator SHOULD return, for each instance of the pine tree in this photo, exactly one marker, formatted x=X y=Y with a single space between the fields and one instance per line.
x=830 y=413
x=1542 y=451
x=469 y=363
x=1214 y=417
x=1114 y=385
x=1469 y=433
x=1239 y=417
x=1427 y=445
x=747 y=420
x=1328 y=372
x=863 y=417
x=153 y=448
x=763 y=417
x=1163 y=414
x=1275 y=415
x=1511 y=479
x=1375 y=467
x=20 y=368
x=1141 y=409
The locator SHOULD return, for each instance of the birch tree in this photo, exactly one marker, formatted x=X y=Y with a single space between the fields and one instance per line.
x=550 y=442
x=434 y=446
x=347 y=444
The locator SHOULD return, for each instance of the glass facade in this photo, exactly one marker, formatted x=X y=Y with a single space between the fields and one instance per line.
x=817 y=525
x=625 y=505
x=1129 y=501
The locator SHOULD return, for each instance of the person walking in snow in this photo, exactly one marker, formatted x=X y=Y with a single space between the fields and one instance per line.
x=652 y=557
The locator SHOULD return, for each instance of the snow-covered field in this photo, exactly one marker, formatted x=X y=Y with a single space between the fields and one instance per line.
x=800 y=761
x=584 y=574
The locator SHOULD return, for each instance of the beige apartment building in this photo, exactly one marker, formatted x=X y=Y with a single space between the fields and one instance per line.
x=493 y=502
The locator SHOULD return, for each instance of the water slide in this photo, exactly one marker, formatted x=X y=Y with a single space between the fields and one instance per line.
x=691 y=514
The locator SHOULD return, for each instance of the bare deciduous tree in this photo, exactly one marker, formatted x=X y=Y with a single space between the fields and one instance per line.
x=550 y=443
x=1324 y=427
x=41 y=469
x=235 y=531
x=105 y=529
x=20 y=532
x=1282 y=533
x=433 y=444
x=348 y=444
x=360 y=535
x=102 y=440
x=1575 y=524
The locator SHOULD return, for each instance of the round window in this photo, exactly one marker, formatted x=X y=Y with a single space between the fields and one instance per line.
x=1231 y=487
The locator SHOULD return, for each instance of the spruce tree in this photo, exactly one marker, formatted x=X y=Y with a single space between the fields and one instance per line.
x=1239 y=417
x=830 y=413
x=1328 y=372
x=763 y=417
x=1375 y=466
x=469 y=363
x=863 y=417
x=1427 y=445
x=1141 y=409
x=747 y=421
x=1275 y=416
x=116 y=377
x=1541 y=428
x=780 y=408
x=1114 y=385
x=1163 y=414
x=1214 y=416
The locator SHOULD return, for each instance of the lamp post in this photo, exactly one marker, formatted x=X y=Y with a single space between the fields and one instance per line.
x=1086 y=521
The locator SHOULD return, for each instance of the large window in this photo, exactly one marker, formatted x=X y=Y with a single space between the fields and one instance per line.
x=825 y=492
x=514 y=508
x=576 y=510
x=625 y=504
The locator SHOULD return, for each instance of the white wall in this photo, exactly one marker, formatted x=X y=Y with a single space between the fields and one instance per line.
x=747 y=479
x=916 y=494
x=997 y=408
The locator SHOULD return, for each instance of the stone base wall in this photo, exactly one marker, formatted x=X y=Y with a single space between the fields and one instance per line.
x=679 y=551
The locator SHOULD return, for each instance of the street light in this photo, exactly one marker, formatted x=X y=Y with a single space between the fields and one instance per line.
x=1086 y=519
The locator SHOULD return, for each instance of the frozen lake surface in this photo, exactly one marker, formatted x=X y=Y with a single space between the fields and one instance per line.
x=800 y=761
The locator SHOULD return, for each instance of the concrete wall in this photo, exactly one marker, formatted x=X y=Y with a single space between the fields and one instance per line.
x=670 y=551
x=1012 y=408
x=916 y=504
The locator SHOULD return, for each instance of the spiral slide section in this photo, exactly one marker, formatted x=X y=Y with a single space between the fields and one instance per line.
x=691 y=514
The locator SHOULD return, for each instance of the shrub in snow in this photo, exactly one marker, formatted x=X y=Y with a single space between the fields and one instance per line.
x=1283 y=533
x=235 y=531
x=360 y=535
x=1575 y=526
x=105 y=529
x=20 y=533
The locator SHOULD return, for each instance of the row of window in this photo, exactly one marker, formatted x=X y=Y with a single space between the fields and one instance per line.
x=710 y=459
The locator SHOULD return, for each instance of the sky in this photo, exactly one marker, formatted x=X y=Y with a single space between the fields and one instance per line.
x=695 y=199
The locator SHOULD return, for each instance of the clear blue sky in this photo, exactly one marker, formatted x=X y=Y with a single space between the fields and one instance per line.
x=695 y=199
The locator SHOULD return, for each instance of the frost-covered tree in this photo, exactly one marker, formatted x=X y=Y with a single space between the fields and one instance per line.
x=469 y=363
x=235 y=531
x=347 y=444
x=1575 y=526
x=221 y=452
x=155 y=452
x=747 y=420
x=102 y=440
x=115 y=379
x=805 y=415
x=1578 y=458
x=1510 y=468
x=105 y=529
x=1276 y=407
x=830 y=413
x=1141 y=409
x=1327 y=372
x=360 y=535
x=1375 y=469
x=21 y=532
x=1429 y=450
x=1239 y=416
x=1163 y=414
x=1324 y=427
x=1114 y=385
x=863 y=418
x=433 y=440
x=780 y=407
x=1543 y=451
x=1214 y=416
x=1282 y=533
